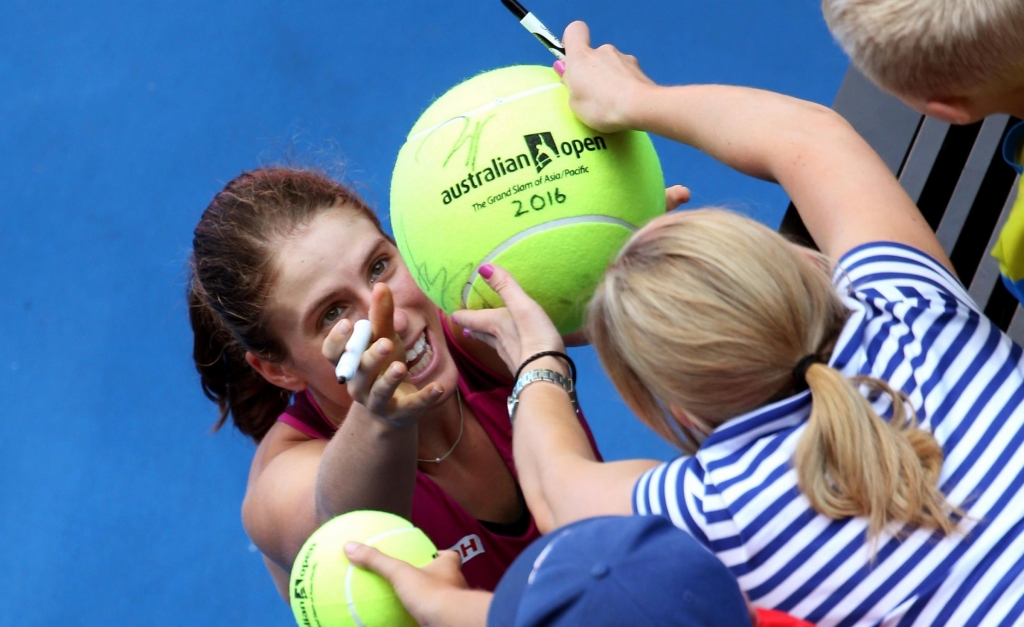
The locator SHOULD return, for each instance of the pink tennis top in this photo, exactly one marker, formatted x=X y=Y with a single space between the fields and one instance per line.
x=486 y=548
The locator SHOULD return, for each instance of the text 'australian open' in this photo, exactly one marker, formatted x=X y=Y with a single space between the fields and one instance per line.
x=543 y=150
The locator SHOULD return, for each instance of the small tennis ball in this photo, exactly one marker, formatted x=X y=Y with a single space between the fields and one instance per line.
x=327 y=591
x=499 y=170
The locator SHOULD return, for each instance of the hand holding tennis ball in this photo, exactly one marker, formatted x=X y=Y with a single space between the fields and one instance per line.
x=604 y=84
x=436 y=594
x=518 y=330
x=326 y=590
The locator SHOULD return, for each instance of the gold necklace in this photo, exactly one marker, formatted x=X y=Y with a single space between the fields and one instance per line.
x=462 y=424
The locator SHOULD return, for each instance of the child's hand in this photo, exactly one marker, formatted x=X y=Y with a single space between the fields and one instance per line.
x=605 y=86
x=428 y=593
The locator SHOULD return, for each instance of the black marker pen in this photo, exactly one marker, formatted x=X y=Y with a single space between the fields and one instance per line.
x=536 y=28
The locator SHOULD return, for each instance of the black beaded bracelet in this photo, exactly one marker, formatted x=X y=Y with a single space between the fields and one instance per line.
x=559 y=354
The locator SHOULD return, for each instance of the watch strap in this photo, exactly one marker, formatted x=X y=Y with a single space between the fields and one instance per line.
x=540 y=374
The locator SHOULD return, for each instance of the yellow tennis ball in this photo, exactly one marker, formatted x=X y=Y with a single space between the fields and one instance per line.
x=499 y=170
x=328 y=591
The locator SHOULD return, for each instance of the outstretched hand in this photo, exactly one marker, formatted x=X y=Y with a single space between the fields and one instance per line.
x=380 y=383
x=604 y=85
x=515 y=331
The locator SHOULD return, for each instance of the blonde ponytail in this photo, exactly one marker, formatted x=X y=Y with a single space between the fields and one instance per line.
x=708 y=312
x=851 y=462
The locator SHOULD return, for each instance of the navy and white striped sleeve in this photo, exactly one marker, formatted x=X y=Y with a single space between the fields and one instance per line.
x=895 y=271
x=676 y=491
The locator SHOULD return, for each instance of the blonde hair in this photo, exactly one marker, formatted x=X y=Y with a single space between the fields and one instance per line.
x=931 y=48
x=709 y=312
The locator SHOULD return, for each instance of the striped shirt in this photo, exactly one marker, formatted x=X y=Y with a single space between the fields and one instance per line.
x=913 y=325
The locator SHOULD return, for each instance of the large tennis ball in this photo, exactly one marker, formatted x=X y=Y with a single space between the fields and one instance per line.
x=499 y=170
x=328 y=591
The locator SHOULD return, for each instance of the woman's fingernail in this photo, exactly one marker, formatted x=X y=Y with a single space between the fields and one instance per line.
x=560 y=67
x=396 y=370
x=467 y=333
x=486 y=270
x=351 y=547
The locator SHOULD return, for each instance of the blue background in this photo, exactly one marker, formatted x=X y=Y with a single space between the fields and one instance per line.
x=118 y=123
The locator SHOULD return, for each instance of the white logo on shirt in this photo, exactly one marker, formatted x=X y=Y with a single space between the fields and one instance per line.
x=469 y=547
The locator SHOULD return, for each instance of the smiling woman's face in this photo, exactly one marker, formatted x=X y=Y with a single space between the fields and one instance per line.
x=325 y=272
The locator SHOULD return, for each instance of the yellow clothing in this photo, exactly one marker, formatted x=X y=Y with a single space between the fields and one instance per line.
x=1009 y=248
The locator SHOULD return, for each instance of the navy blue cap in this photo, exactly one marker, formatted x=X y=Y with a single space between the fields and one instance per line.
x=618 y=570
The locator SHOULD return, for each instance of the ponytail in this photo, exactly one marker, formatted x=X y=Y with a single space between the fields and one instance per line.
x=729 y=307
x=851 y=462
x=227 y=379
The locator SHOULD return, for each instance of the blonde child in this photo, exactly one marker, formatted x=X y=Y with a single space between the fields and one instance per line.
x=954 y=60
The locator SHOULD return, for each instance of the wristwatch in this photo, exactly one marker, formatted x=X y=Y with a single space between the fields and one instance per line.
x=533 y=376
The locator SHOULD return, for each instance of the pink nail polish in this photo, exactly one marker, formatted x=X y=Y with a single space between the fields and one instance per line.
x=486 y=270
x=467 y=333
x=560 y=67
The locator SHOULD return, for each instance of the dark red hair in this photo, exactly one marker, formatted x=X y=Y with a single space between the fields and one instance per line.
x=231 y=277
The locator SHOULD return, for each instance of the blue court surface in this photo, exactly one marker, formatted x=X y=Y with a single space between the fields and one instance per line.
x=118 y=123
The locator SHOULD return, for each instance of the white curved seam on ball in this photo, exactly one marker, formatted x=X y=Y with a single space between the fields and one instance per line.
x=554 y=224
x=348 y=573
x=487 y=107
x=385 y=534
x=348 y=596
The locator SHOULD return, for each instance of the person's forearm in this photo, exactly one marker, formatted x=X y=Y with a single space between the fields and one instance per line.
x=817 y=157
x=547 y=433
x=460 y=608
x=751 y=130
x=368 y=464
